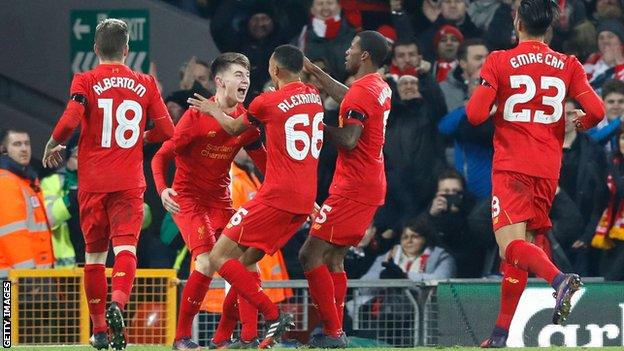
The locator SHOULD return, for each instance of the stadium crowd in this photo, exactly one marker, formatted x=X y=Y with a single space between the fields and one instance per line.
x=436 y=221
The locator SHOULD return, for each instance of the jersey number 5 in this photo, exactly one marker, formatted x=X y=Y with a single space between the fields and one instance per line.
x=524 y=115
x=123 y=123
x=311 y=143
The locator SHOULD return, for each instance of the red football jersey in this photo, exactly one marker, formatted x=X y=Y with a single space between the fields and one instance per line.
x=293 y=119
x=119 y=101
x=360 y=174
x=204 y=153
x=531 y=82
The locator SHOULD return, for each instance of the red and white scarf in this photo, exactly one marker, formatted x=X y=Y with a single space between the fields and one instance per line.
x=611 y=225
x=328 y=28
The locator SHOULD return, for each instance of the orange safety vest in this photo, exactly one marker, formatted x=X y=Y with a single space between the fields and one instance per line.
x=244 y=187
x=25 y=236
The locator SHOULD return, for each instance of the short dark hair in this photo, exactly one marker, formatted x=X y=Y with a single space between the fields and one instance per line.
x=451 y=173
x=612 y=86
x=289 y=57
x=538 y=15
x=462 y=52
x=423 y=226
x=4 y=135
x=376 y=45
x=405 y=42
x=223 y=62
x=111 y=38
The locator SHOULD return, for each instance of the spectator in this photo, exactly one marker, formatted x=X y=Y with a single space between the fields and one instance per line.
x=25 y=237
x=406 y=59
x=609 y=235
x=177 y=105
x=583 y=171
x=327 y=36
x=501 y=34
x=196 y=76
x=607 y=10
x=260 y=34
x=473 y=148
x=482 y=12
x=471 y=54
x=416 y=258
x=448 y=214
x=360 y=258
x=605 y=133
x=60 y=191
x=608 y=63
x=424 y=13
x=446 y=42
x=571 y=15
x=453 y=12
x=411 y=141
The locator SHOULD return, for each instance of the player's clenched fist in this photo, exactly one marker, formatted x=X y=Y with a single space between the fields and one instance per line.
x=167 y=200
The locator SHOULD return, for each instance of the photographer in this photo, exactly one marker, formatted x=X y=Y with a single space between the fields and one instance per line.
x=448 y=214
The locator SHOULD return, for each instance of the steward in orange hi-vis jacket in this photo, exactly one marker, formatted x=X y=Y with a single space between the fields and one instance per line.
x=25 y=237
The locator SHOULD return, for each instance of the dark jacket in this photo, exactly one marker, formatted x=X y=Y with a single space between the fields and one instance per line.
x=589 y=192
x=412 y=140
x=235 y=38
x=331 y=51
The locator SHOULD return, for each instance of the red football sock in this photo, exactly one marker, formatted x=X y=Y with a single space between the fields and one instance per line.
x=513 y=284
x=322 y=291
x=229 y=318
x=192 y=297
x=96 y=288
x=249 y=315
x=245 y=284
x=124 y=269
x=529 y=257
x=340 y=293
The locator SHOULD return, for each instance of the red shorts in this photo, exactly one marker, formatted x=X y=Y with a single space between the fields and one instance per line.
x=263 y=227
x=518 y=197
x=113 y=216
x=342 y=221
x=199 y=225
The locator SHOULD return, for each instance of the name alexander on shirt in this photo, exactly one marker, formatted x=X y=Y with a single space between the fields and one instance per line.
x=299 y=99
x=119 y=82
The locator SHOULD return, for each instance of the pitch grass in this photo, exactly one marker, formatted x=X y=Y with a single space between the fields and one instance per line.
x=163 y=348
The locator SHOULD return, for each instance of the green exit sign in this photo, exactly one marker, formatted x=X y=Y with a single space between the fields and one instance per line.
x=82 y=32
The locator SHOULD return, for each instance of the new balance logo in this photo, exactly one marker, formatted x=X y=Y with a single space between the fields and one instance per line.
x=119 y=274
x=512 y=280
x=95 y=300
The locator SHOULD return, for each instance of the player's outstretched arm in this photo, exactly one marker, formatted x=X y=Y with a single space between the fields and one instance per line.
x=334 y=88
x=346 y=137
x=479 y=106
x=230 y=125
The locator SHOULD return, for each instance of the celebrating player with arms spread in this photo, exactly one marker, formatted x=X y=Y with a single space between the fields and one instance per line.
x=201 y=204
x=528 y=85
x=111 y=103
x=359 y=185
x=293 y=117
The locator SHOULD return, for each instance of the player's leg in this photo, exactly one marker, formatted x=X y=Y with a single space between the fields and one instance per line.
x=259 y=228
x=94 y=225
x=512 y=285
x=198 y=235
x=321 y=286
x=335 y=263
x=125 y=216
